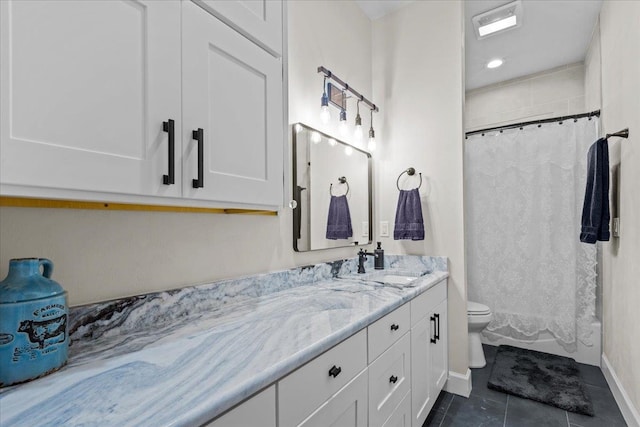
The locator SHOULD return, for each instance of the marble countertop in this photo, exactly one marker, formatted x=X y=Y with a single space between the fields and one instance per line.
x=186 y=367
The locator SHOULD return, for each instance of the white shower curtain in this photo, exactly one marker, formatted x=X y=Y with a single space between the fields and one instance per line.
x=524 y=194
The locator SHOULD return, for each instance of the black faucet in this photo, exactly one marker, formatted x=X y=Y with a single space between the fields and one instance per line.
x=362 y=257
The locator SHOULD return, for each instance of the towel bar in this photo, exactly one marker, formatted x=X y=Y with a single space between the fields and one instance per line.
x=410 y=172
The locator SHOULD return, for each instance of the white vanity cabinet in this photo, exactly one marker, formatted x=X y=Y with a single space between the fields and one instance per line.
x=303 y=393
x=151 y=102
x=429 y=358
x=260 y=410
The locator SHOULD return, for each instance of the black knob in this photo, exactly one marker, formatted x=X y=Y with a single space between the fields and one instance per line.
x=335 y=371
x=395 y=327
x=393 y=379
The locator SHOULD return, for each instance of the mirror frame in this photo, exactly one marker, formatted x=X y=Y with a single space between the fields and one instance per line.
x=294 y=182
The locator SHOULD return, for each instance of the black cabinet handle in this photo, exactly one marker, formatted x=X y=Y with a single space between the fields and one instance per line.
x=437 y=315
x=198 y=135
x=393 y=379
x=395 y=327
x=335 y=371
x=433 y=339
x=169 y=127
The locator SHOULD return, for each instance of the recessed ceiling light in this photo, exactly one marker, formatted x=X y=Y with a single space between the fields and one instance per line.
x=495 y=63
x=497 y=20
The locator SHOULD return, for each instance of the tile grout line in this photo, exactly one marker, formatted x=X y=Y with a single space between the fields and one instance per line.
x=445 y=411
x=506 y=407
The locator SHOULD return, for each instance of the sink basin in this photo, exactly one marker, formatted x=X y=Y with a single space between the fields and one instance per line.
x=389 y=277
x=395 y=279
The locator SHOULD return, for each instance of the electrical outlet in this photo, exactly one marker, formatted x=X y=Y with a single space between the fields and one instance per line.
x=365 y=228
x=384 y=228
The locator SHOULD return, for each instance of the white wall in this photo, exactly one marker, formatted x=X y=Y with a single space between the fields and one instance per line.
x=553 y=93
x=418 y=81
x=620 y=52
x=101 y=255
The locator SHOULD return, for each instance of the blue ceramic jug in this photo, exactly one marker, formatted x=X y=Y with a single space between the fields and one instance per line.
x=34 y=337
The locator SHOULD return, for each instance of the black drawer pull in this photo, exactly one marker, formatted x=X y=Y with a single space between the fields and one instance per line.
x=169 y=127
x=395 y=327
x=335 y=371
x=198 y=135
x=433 y=339
x=393 y=379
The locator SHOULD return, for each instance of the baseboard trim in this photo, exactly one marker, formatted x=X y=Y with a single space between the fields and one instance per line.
x=629 y=412
x=459 y=384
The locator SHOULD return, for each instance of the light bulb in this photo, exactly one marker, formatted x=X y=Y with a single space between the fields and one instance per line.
x=358 y=132
x=342 y=127
x=332 y=142
x=316 y=137
x=325 y=114
x=348 y=150
x=372 y=140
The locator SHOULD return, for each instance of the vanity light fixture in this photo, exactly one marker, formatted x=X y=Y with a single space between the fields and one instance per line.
x=495 y=63
x=358 y=132
x=494 y=21
x=336 y=95
x=343 y=116
x=371 y=145
x=325 y=114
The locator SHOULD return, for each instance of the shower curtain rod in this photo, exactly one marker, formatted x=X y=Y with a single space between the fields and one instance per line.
x=533 y=122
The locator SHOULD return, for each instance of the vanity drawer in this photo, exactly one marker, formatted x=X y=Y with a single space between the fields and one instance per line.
x=389 y=381
x=303 y=391
x=384 y=332
x=422 y=304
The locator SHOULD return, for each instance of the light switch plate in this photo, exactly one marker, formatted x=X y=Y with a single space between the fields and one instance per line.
x=365 y=228
x=616 y=227
x=384 y=228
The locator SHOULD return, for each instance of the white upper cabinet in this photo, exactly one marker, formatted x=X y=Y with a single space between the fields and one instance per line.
x=259 y=20
x=91 y=91
x=86 y=88
x=232 y=90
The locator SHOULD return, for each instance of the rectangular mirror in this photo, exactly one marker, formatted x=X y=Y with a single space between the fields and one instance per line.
x=332 y=189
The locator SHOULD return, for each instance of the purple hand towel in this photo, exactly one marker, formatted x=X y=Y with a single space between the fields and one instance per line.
x=409 y=223
x=595 y=211
x=339 y=219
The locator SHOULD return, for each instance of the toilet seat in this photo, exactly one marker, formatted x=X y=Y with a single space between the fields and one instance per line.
x=477 y=309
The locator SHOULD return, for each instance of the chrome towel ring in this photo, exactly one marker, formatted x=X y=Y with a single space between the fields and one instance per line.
x=341 y=180
x=410 y=172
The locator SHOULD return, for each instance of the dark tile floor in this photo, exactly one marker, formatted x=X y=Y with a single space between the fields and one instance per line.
x=487 y=408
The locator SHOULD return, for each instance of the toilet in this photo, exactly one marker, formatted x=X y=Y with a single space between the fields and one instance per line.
x=478 y=316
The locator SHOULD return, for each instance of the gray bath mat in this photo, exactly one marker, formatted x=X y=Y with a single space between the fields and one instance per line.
x=545 y=378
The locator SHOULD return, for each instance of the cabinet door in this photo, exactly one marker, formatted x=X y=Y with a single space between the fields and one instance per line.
x=86 y=87
x=232 y=90
x=260 y=410
x=389 y=381
x=347 y=408
x=259 y=20
x=421 y=398
x=439 y=355
x=401 y=417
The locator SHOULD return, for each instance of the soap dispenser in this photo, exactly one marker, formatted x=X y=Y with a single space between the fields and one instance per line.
x=379 y=257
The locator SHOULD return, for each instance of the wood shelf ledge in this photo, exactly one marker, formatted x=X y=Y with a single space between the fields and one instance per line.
x=22 y=202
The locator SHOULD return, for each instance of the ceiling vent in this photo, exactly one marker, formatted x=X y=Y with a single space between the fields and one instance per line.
x=498 y=20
